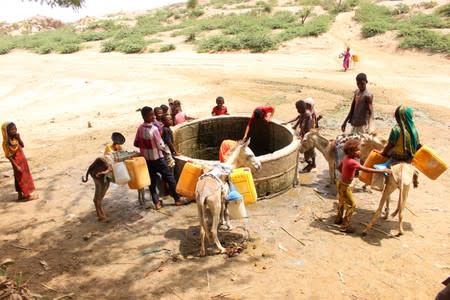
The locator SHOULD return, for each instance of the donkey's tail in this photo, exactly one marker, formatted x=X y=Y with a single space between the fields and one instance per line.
x=85 y=179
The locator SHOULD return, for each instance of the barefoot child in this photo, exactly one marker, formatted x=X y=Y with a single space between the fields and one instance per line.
x=167 y=137
x=12 y=146
x=348 y=168
x=220 y=108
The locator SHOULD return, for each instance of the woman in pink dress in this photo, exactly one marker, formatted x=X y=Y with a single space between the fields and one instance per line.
x=347 y=56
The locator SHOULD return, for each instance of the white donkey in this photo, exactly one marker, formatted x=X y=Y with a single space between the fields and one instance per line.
x=328 y=148
x=401 y=179
x=212 y=190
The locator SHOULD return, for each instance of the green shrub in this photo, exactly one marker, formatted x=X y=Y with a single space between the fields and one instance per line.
x=444 y=10
x=264 y=6
x=425 y=39
x=108 y=46
x=217 y=43
x=107 y=25
x=166 y=48
x=67 y=48
x=191 y=4
x=400 y=9
x=44 y=49
x=134 y=44
x=369 y=12
x=7 y=43
x=428 y=4
x=195 y=13
x=425 y=21
x=93 y=36
x=373 y=28
x=256 y=42
x=190 y=38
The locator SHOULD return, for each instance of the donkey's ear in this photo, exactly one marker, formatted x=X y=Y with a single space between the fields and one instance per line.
x=246 y=143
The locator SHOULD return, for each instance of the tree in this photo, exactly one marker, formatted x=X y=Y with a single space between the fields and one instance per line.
x=191 y=4
x=62 y=3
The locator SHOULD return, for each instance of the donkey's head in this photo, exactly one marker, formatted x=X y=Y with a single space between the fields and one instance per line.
x=243 y=156
x=308 y=142
x=370 y=142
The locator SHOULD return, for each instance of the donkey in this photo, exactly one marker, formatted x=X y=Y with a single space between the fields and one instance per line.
x=328 y=148
x=401 y=178
x=98 y=170
x=211 y=191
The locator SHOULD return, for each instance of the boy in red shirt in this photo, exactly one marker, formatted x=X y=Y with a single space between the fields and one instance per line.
x=347 y=168
x=220 y=108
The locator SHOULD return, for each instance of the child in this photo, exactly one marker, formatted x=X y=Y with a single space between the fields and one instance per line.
x=347 y=168
x=12 y=146
x=118 y=140
x=306 y=124
x=167 y=137
x=180 y=116
x=165 y=109
x=151 y=146
x=301 y=107
x=346 y=55
x=314 y=115
x=220 y=108
x=158 y=113
x=260 y=113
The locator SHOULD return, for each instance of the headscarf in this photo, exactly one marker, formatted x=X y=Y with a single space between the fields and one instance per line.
x=404 y=117
x=10 y=145
x=310 y=101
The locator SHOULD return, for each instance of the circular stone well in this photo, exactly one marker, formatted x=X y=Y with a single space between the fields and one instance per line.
x=273 y=144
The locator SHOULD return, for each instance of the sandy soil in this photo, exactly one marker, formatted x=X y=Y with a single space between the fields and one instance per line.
x=59 y=247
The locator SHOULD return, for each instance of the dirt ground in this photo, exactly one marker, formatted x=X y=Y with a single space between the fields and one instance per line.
x=60 y=248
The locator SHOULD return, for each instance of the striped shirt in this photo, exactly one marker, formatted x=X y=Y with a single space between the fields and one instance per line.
x=149 y=141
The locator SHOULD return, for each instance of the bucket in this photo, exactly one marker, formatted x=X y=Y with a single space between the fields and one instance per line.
x=429 y=162
x=137 y=168
x=355 y=58
x=237 y=209
x=120 y=171
x=243 y=180
x=188 y=180
x=373 y=159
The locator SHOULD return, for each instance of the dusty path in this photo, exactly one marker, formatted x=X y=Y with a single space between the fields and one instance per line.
x=147 y=255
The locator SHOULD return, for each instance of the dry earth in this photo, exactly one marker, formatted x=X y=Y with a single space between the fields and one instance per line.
x=59 y=247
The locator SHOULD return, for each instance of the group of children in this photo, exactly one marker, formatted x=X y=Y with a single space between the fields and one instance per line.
x=154 y=138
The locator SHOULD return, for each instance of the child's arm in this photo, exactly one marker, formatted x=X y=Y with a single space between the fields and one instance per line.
x=295 y=119
x=370 y=170
x=172 y=149
x=19 y=140
x=15 y=165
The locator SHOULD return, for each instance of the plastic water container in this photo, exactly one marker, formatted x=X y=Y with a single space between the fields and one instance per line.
x=243 y=180
x=429 y=162
x=137 y=168
x=237 y=209
x=188 y=179
x=355 y=58
x=373 y=159
x=120 y=171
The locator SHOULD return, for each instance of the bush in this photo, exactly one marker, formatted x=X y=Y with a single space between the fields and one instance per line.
x=217 y=43
x=108 y=46
x=373 y=28
x=191 y=4
x=368 y=12
x=428 y=4
x=7 y=43
x=256 y=42
x=166 y=48
x=400 y=9
x=44 y=49
x=264 y=6
x=67 y=48
x=425 y=39
x=195 y=13
x=89 y=36
x=425 y=21
x=444 y=10
x=131 y=45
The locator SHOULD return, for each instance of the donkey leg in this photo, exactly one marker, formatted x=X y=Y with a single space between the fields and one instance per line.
x=203 y=229
x=104 y=189
x=386 y=209
x=215 y=225
x=403 y=196
x=386 y=193
x=97 y=202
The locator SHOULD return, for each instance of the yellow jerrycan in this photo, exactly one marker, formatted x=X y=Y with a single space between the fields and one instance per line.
x=243 y=181
x=429 y=162
x=188 y=179
x=137 y=168
x=373 y=159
